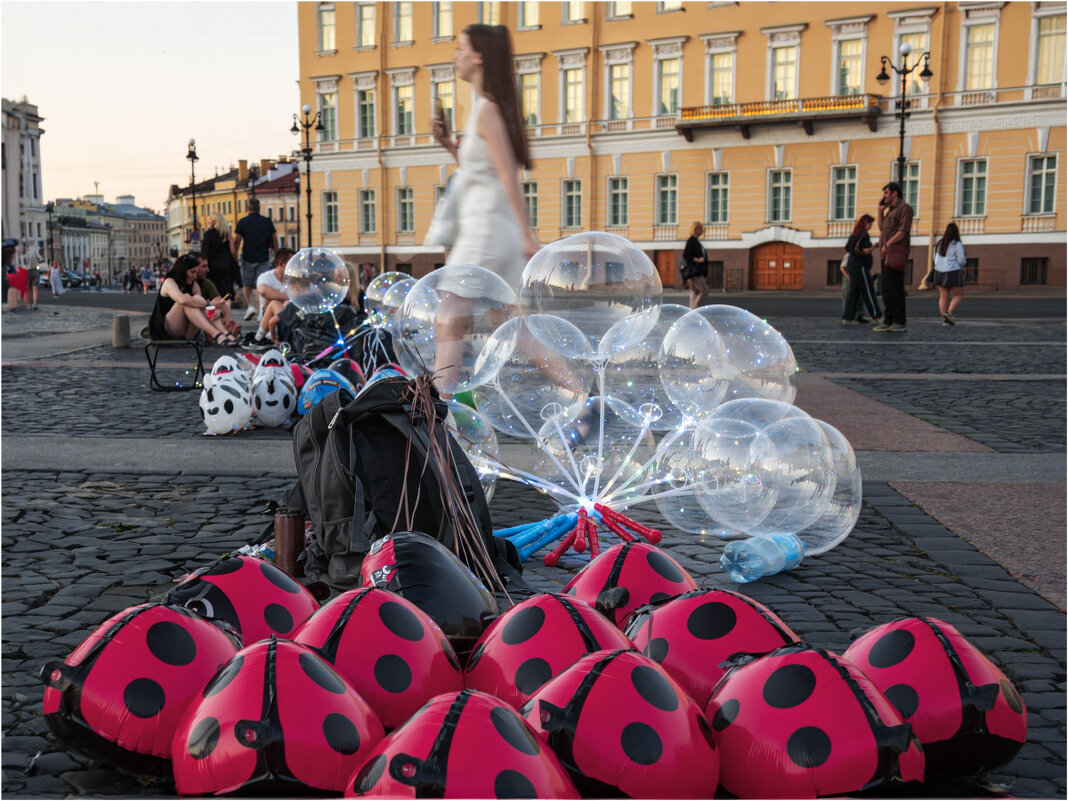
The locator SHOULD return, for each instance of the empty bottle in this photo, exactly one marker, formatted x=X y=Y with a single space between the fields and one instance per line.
x=748 y=560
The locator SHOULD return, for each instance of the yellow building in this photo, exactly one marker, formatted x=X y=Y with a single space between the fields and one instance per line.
x=765 y=121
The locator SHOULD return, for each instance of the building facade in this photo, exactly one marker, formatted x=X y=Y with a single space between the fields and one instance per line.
x=767 y=122
x=22 y=203
x=110 y=237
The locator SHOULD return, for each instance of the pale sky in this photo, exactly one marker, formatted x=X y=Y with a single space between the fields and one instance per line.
x=123 y=86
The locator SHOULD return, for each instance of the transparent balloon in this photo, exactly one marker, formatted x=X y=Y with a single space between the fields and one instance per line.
x=478 y=441
x=843 y=510
x=679 y=472
x=693 y=363
x=760 y=412
x=760 y=362
x=738 y=487
x=316 y=280
x=391 y=303
x=602 y=283
x=375 y=293
x=448 y=317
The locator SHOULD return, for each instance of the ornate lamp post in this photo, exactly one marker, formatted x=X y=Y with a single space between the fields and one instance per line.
x=50 y=208
x=192 y=156
x=307 y=124
x=296 y=188
x=903 y=103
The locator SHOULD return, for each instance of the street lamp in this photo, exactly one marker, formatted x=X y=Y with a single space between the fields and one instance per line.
x=253 y=174
x=50 y=208
x=296 y=188
x=192 y=156
x=307 y=124
x=903 y=103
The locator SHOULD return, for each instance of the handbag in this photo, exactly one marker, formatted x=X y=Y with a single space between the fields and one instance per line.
x=691 y=269
x=896 y=257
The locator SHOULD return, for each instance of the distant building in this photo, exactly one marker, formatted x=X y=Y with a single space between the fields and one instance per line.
x=133 y=236
x=22 y=203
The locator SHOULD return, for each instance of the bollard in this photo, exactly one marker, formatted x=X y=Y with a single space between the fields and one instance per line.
x=120 y=331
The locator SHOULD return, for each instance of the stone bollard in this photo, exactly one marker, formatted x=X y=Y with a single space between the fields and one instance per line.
x=120 y=331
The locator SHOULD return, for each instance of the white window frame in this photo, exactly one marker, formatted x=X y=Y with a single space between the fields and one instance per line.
x=726 y=192
x=666 y=185
x=401 y=77
x=573 y=12
x=781 y=37
x=719 y=44
x=528 y=16
x=405 y=210
x=364 y=82
x=366 y=29
x=331 y=212
x=850 y=29
x=443 y=74
x=366 y=201
x=665 y=49
x=1030 y=174
x=771 y=190
x=570 y=199
x=913 y=199
x=525 y=68
x=530 y=202
x=985 y=14
x=618 y=55
x=912 y=22
x=618 y=10
x=321 y=9
x=567 y=60
x=441 y=9
x=850 y=212
x=959 y=204
x=668 y=6
x=489 y=13
x=327 y=113
x=1039 y=12
x=398 y=17
x=618 y=186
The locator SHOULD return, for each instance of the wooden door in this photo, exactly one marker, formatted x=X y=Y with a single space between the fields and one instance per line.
x=665 y=265
x=778 y=265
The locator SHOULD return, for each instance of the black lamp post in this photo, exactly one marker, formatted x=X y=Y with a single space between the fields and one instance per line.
x=296 y=188
x=253 y=174
x=903 y=103
x=192 y=156
x=307 y=124
x=50 y=208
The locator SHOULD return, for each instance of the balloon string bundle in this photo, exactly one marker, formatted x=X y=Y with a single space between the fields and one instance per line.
x=577 y=530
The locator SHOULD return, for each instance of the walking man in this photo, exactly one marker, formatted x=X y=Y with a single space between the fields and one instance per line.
x=895 y=225
x=260 y=238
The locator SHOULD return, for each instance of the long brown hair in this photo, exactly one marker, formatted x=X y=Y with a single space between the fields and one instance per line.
x=494 y=44
x=952 y=234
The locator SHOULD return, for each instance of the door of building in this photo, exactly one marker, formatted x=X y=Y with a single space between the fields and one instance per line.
x=778 y=265
x=665 y=266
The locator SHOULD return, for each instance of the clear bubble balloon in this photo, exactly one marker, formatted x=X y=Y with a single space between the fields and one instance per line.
x=316 y=280
x=602 y=283
x=693 y=364
x=477 y=440
x=760 y=362
x=375 y=293
x=760 y=412
x=448 y=317
x=680 y=472
x=738 y=487
x=843 y=510
x=391 y=303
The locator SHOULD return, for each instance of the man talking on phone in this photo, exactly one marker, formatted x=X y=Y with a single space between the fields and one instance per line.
x=895 y=225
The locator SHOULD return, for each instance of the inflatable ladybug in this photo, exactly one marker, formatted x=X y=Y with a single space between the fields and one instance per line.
x=968 y=716
x=391 y=652
x=275 y=720
x=804 y=723
x=462 y=745
x=692 y=635
x=119 y=696
x=422 y=570
x=629 y=575
x=534 y=641
x=624 y=728
x=255 y=597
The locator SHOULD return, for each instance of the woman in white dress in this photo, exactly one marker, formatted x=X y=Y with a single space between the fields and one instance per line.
x=55 y=278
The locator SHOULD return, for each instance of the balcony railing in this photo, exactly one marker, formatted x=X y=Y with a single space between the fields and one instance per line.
x=803 y=111
x=837 y=228
x=970 y=225
x=1035 y=224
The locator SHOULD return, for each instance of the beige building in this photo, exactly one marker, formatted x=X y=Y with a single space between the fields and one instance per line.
x=765 y=121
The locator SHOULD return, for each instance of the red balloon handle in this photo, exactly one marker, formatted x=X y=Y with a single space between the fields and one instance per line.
x=554 y=555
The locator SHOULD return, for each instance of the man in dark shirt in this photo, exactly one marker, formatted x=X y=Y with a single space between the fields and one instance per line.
x=895 y=226
x=260 y=238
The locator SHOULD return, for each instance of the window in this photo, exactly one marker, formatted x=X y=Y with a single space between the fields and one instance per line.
x=365 y=25
x=402 y=101
x=574 y=12
x=292 y=214
x=779 y=182
x=667 y=85
x=618 y=10
x=850 y=66
x=1042 y=178
x=914 y=85
x=1033 y=271
x=572 y=204
x=834 y=272
x=530 y=201
x=405 y=210
x=529 y=96
x=528 y=15
x=667 y=192
x=330 y=212
x=718 y=197
x=910 y=185
x=444 y=92
x=366 y=113
x=844 y=191
x=402 y=22
x=617 y=202
x=367 y=211
x=328 y=116
x=971 y=271
x=489 y=13
x=442 y=19
x=979 y=57
x=668 y=5
x=784 y=73
x=721 y=78
x=618 y=91
x=327 y=29
x=972 y=188
x=574 y=91
x=1050 y=50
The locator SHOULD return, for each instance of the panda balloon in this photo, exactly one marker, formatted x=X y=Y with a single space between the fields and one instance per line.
x=226 y=405
x=274 y=395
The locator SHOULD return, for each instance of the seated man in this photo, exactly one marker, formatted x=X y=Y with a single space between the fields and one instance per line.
x=179 y=310
x=209 y=292
x=271 y=286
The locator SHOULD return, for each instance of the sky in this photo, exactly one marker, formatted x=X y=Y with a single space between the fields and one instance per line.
x=123 y=86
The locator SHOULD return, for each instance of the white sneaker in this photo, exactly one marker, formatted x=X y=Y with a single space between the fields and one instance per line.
x=250 y=312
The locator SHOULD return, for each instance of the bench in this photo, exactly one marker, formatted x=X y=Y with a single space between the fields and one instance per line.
x=152 y=354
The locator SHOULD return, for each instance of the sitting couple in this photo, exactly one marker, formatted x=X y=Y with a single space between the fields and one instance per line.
x=188 y=303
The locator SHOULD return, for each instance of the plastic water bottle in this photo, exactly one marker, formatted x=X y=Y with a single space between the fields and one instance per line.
x=748 y=560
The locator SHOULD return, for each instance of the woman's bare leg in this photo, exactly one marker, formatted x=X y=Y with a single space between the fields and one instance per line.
x=943 y=300
x=958 y=296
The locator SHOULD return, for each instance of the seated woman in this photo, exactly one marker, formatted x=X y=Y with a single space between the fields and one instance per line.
x=179 y=310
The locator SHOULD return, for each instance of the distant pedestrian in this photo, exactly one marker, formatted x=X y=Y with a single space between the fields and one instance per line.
x=34 y=285
x=857 y=273
x=895 y=227
x=216 y=249
x=146 y=279
x=55 y=278
x=949 y=262
x=695 y=266
x=258 y=237
x=98 y=281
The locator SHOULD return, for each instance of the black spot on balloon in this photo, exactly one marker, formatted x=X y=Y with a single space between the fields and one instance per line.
x=657 y=649
x=513 y=730
x=904 y=699
x=711 y=621
x=660 y=597
x=278 y=618
x=789 y=686
x=229 y=406
x=664 y=566
x=1011 y=696
x=203 y=739
x=891 y=649
x=654 y=688
x=279 y=578
x=808 y=747
x=224 y=676
x=341 y=734
x=530 y=675
x=393 y=674
x=370 y=774
x=224 y=566
x=475 y=656
x=316 y=670
x=641 y=743
x=450 y=654
x=513 y=784
x=523 y=625
x=171 y=643
x=400 y=621
x=144 y=698
x=285 y=401
x=726 y=714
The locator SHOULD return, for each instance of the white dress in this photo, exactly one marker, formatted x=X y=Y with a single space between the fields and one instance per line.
x=489 y=234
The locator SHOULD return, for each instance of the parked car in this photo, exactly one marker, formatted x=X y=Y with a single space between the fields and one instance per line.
x=72 y=278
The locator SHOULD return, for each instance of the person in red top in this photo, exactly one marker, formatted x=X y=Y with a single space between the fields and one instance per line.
x=895 y=226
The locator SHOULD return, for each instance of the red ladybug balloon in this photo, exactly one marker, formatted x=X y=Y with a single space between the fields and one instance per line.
x=692 y=635
x=964 y=710
x=119 y=696
x=534 y=641
x=623 y=727
x=391 y=652
x=804 y=723
x=629 y=575
x=255 y=597
x=276 y=720
x=463 y=745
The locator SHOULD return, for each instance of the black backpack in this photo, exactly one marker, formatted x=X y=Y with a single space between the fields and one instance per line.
x=375 y=464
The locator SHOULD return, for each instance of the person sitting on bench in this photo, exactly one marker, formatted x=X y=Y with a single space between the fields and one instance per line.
x=179 y=312
x=210 y=293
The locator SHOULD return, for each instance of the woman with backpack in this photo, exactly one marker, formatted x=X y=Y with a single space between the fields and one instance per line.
x=949 y=264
